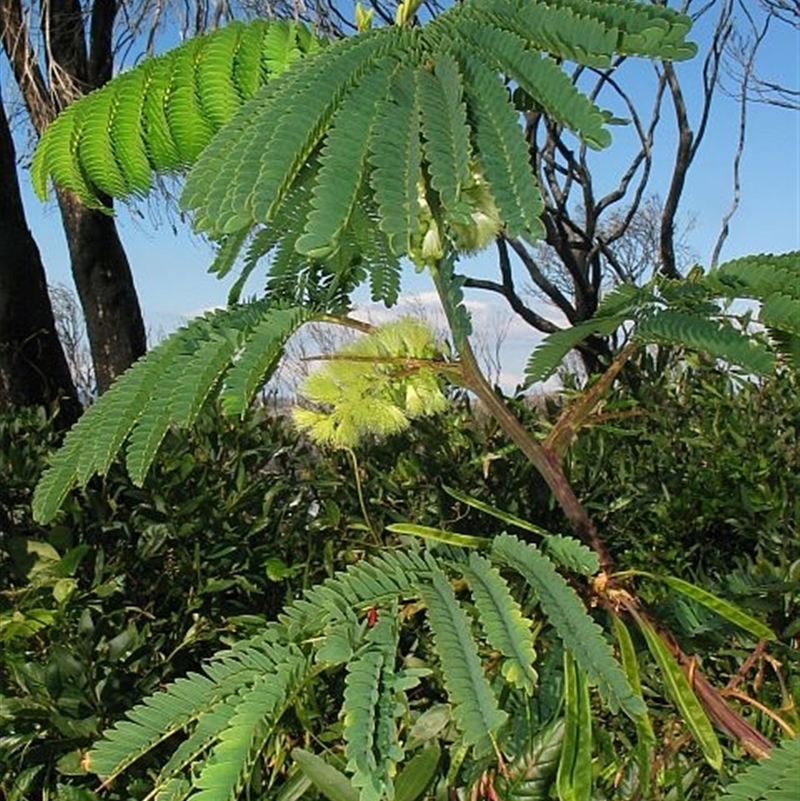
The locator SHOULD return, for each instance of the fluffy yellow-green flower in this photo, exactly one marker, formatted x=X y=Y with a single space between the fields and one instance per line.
x=376 y=386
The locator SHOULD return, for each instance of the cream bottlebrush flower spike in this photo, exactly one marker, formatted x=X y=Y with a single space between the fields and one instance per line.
x=375 y=385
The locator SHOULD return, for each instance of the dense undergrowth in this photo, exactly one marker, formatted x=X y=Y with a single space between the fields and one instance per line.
x=688 y=471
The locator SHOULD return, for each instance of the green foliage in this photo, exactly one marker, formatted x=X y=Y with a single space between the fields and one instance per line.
x=574 y=776
x=677 y=424
x=579 y=633
x=461 y=159
x=697 y=314
x=475 y=707
x=134 y=587
x=229 y=502
x=310 y=166
x=680 y=691
x=214 y=706
x=234 y=349
x=159 y=117
x=773 y=779
x=507 y=631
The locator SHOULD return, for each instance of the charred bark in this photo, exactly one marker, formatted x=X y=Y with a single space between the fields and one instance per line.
x=100 y=267
x=33 y=368
x=103 y=278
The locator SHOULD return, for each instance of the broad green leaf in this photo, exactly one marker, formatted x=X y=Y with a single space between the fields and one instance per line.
x=713 y=602
x=488 y=509
x=574 y=776
x=417 y=774
x=439 y=535
x=333 y=784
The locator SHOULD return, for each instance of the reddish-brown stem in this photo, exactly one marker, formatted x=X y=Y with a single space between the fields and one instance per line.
x=546 y=462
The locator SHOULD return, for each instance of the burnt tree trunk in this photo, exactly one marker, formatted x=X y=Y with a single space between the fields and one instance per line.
x=100 y=267
x=103 y=278
x=33 y=368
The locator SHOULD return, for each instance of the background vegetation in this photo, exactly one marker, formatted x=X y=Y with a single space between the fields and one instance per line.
x=132 y=588
x=249 y=550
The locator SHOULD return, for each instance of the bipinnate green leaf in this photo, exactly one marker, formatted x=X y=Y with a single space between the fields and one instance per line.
x=362 y=585
x=343 y=163
x=571 y=554
x=160 y=115
x=445 y=129
x=475 y=708
x=775 y=778
x=568 y=616
x=682 y=695
x=548 y=356
x=717 y=338
x=501 y=151
x=259 y=708
x=259 y=355
x=542 y=79
x=168 y=387
x=369 y=710
x=757 y=276
x=504 y=625
x=156 y=719
x=396 y=160
x=412 y=125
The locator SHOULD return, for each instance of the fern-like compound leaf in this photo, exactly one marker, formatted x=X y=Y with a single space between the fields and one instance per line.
x=258 y=712
x=547 y=357
x=444 y=126
x=129 y=147
x=552 y=28
x=343 y=161
x=370 y=731
x=96 y=154
x=571 y=554
x=190 y=128
x=542 y=79
x=214 y=87
x=362 y=585
x=274 y=135
x=758 y=276
x=258 y=357
x=157 y=718
x=775 y=778
x=568 y=616
x=161 y=115
x=717 y=338
x=501 y=150
x=504 y=625
x=475 y=708
x=168 y=386
x=396 y=159
x=183 y=702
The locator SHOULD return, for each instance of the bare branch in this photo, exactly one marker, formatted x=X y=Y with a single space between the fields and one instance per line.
x=15 y=32
x=747 y=73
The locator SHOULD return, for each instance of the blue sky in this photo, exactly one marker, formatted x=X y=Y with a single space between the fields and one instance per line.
x=170 y=268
